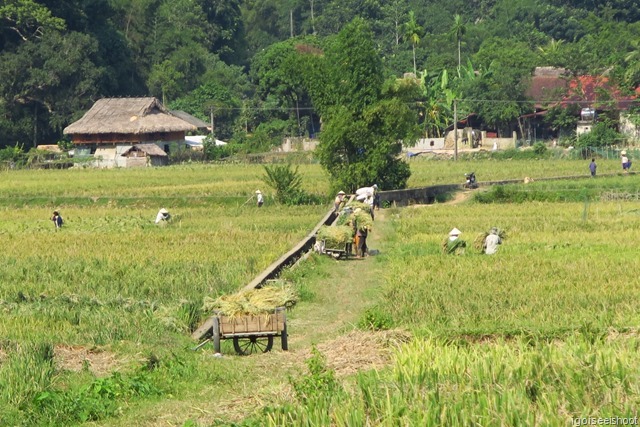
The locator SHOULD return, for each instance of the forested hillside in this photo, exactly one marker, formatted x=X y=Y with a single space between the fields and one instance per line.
x=248 y=65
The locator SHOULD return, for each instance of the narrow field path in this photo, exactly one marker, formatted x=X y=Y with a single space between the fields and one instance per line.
x=341 y=294
x=342 y=290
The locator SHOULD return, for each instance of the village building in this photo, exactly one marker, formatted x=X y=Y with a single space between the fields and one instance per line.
x=588 y=97
x=124 y=132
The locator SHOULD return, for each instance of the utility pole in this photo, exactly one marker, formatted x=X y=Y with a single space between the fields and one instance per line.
x=35 y=127
x=455 y=130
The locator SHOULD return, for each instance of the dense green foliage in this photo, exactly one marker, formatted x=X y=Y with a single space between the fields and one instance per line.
x=363 y=130
x=526 y=334
x=250 y=63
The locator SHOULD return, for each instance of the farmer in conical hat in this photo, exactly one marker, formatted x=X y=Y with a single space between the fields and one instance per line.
x=454 y=245
x=260 y=199
x=626 y=163
x=338 y=200
x=163 y=215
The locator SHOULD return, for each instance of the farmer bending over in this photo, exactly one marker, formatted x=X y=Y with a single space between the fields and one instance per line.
x=491 y=242
x=454 y=245
x=57 y=220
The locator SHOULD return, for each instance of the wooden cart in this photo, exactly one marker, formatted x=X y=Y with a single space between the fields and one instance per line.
x=338 y=252
x=251 y=334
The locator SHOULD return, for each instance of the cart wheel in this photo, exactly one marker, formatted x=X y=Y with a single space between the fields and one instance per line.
x=283 y=338
x=252 y=345
x=216 y=335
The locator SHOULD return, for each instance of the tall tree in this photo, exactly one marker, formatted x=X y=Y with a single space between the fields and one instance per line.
x=458 y=30
x=412 y=33
x=27 y=19
x=48 y=82
x=363 y=131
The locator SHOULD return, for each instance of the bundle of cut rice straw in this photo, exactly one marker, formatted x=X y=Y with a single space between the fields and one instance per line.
x=252 y=302
x=335 y=235
x=478 y=243
x=362 y=219
x=364 y=206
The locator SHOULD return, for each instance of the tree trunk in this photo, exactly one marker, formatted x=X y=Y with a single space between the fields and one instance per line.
x=415 y=69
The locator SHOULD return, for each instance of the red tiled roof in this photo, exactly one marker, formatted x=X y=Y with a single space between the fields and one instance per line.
x=592 y=91
x=552 y=86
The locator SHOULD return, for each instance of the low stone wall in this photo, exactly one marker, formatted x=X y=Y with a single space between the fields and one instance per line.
x=273 y=270
x=421 y=195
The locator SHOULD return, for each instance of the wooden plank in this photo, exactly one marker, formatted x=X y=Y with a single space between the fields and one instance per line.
x=247 y=324
x=204 y=330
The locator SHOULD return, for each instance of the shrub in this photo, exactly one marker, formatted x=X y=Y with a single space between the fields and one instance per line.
x=375 y=319
x=321 y=382
x=601 y=135
x=288 y=182
x=539 y=148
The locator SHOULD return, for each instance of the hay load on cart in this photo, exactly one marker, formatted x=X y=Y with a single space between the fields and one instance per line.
x=337 y=240
x=251 y=318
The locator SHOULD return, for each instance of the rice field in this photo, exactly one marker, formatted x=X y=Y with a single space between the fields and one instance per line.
x=113 y=280
x=542 y=332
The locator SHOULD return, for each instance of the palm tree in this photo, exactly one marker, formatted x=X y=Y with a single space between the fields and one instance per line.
x=413 y=32
x=458 y=31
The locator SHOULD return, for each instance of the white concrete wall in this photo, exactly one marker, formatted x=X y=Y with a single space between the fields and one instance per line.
x=425 y=144
x=297 y=144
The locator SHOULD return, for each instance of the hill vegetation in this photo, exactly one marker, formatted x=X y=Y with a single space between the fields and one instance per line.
x=250 y=66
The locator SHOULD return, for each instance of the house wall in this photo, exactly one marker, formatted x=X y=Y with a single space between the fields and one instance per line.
x=111 y=156
x=157 y=161
x=501 y=143
x=127 y=138
x=426 y=144
x=133 y=162
x=297 y=144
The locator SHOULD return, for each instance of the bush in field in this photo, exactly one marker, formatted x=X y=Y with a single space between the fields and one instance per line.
x=11 y=154
x=216 y=152
x=320 y=382
x=601 y=135
x=375 y=319
x=287 y=183
x=539 y=148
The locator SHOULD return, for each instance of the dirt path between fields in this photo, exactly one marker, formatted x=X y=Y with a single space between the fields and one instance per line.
x=328 y=322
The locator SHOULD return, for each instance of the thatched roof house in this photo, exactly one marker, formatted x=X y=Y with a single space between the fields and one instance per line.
x=200 y=124
x=127 y=120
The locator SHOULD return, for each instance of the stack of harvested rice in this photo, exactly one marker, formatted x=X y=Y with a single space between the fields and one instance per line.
x=336 y=235
x=252 y=302
x=364 y=206
x=478 y=243
x=362 y=219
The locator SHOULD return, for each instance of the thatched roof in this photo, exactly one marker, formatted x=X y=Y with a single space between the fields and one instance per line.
x=150 y=149
x=200 y=124
x=128 y=116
